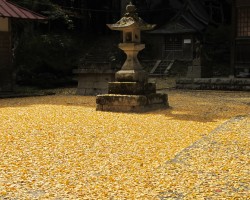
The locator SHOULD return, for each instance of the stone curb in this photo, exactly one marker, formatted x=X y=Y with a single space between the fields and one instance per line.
x=232 y=84
x=206 y=138
x=8 y=96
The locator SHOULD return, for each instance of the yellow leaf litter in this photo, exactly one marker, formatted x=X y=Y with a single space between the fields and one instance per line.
x=59 y=147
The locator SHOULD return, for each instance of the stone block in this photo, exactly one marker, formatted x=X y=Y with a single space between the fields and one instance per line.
x=184 y=81
x=121 y=100
x=132 y=88
x=194 y=71
x=157 y=99
x=131 y=103
x=195 y=87
x=247 y=88
x=179 y=86
x=214 y=84
x=202 y=80
x=94 y=83
x=241 y=81
x=121 y=108
x=131 y=76
x=220 y=81
x=150 y=88
x=247 y=81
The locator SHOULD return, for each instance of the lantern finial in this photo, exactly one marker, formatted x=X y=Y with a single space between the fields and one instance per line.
x=130 y=8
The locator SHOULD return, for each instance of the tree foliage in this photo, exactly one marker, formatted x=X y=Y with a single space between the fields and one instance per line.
x=45 y=53
x=54 y=48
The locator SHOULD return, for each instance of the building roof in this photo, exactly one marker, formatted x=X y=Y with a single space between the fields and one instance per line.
x=175 y=28
x=11 y=10
x=192 y=17
x=198 y=10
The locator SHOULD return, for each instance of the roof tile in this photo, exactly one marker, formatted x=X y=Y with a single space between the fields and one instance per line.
x=11 y=10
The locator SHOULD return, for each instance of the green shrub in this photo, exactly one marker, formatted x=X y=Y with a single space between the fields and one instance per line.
x=46 y=58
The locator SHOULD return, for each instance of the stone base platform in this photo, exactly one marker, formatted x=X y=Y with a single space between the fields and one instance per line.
x=131 y=97
x=131 y=103
x=132 y=88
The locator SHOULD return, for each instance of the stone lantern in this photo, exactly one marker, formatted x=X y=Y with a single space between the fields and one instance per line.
x=131 y=92
x=131 y=26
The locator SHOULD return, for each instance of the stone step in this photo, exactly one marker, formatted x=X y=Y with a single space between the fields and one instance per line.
x=239 y=84
x=131 y=88
x=131 y=103
x=162 y=67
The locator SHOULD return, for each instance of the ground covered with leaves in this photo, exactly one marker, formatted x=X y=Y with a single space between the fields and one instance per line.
x=59 y=147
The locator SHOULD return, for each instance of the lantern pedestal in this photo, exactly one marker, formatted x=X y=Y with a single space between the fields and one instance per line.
x=131 y=69
x=131 y=97
x=131 y=103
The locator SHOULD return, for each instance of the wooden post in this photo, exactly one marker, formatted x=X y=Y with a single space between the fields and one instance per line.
x=6 y=70
x=233 y=36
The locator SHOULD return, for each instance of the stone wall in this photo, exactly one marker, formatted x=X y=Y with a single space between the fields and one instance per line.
x=239 y=84
x=93 y=82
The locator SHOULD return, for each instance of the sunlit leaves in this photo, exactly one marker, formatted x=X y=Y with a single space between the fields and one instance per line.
x=60 y=148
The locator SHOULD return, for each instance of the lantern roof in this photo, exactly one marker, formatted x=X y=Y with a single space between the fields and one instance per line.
x=131 y=20
x=11 y=10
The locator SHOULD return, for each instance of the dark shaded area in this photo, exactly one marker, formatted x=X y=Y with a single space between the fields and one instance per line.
x=47 y=53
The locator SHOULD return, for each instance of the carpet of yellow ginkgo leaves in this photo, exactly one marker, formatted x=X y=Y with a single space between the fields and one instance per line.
x=59 y=147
